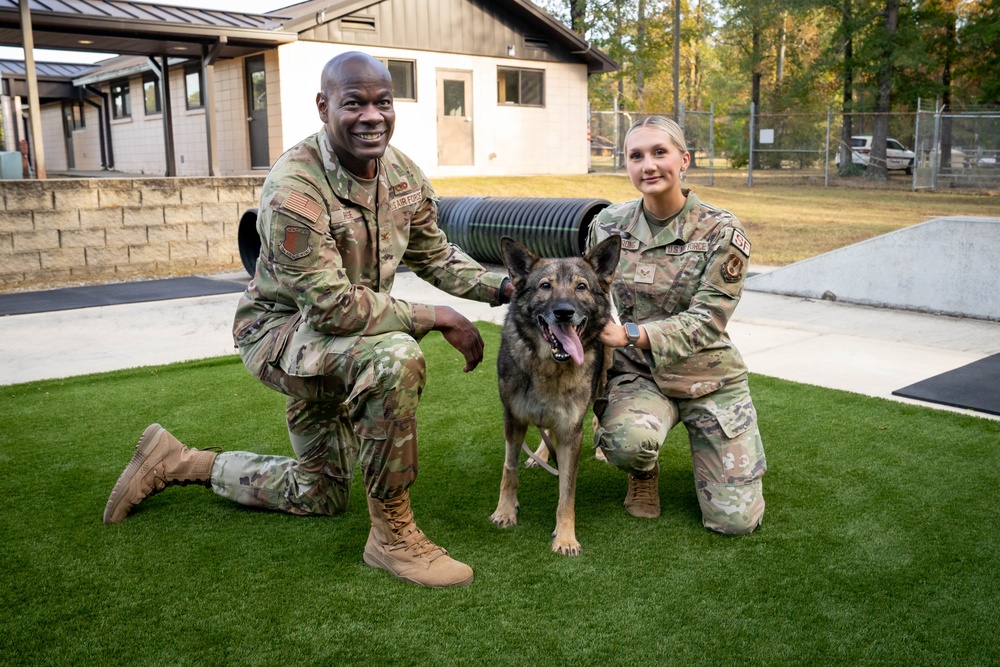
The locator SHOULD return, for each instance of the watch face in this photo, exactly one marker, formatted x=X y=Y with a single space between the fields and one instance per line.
x=632 y=331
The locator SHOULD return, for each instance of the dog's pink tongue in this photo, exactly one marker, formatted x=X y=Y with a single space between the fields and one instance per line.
x=566 y=334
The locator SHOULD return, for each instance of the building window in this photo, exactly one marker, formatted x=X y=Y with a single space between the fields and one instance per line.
x=121 y=107
x=151 y=93
x=524 y=87
x=192 y=87
x=73 y=112
x=404 y=78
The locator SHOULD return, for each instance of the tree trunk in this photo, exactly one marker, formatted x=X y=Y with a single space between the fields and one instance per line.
x=755 y=90
x=946 y=136
x=578 y=16
x=847 y=107
x=877 y=170
x=640 y=55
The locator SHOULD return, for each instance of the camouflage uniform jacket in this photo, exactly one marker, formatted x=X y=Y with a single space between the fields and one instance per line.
x=330 y=251
x=682 y=285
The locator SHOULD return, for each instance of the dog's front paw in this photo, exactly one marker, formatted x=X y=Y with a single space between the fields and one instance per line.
x=504 y=518
x=567 y=547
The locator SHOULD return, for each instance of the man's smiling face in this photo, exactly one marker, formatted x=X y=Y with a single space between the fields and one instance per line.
x=356 y=108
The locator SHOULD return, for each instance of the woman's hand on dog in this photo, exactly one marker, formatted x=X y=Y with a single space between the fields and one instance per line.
x=460 y=333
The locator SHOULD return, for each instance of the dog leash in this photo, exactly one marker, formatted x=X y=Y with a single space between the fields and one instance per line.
x=531 y=454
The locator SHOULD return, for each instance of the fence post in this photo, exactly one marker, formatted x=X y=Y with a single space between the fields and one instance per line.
x=935 y=159
x=916 y=148
x=750 y=163
x=826 y=161
x=614 y=154
x=711 y=143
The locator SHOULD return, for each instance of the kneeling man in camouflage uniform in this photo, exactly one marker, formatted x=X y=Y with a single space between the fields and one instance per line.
x=338 y=213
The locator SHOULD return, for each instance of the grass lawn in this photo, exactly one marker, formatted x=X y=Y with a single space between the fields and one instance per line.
x=880 y=544
x=785 y=223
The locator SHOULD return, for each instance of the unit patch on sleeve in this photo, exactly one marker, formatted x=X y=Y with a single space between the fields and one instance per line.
x=740 y=242
x=303 y=206
x=295 y=243
x=732 y=270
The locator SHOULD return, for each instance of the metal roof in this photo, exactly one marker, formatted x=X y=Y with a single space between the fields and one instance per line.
x=15 y=69
x=119 y=26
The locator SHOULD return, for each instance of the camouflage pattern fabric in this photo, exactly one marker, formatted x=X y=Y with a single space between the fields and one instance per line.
x=317 y=323
x=726 y=449
x=682 y=285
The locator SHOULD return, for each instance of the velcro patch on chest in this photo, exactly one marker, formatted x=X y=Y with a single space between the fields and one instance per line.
x=295 y=242
x=693 y=246
x=644 y=273
x=740 y=242
x=300 y=204
x=406 y=200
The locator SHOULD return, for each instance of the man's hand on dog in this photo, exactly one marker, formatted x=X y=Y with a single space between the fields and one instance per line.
x=460 y=333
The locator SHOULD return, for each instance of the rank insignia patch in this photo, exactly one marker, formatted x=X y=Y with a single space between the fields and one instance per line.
x=295 y=243
x=644 y=273
x=732 y=270
x=740 y=242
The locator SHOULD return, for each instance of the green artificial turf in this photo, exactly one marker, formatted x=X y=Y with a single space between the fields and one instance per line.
x=879 y=545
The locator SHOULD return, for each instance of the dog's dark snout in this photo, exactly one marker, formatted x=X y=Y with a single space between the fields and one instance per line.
x=564 y=312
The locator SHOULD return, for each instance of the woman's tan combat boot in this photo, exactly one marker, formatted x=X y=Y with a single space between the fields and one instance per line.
x=643 y=497
x=397 y=545
x=160 y=460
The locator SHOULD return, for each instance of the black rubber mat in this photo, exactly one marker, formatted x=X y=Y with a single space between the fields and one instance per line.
x=975 y=386
x=89 y=296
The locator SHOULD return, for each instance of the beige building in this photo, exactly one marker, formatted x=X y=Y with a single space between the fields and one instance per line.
x=482 y=87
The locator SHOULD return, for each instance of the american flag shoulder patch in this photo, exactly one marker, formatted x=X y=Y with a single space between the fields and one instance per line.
x=303 y=206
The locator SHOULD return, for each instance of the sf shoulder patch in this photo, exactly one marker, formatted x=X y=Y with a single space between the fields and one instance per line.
x=295 y=243
x=740 y=242
x=732 y=269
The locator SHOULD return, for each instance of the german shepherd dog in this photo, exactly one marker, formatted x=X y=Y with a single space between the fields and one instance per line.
x=551 y=366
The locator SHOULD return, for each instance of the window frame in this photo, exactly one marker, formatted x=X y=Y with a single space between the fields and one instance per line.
x=188 y=71
x=520 y=87
x=413 y=77
x=123 y=95
x=151 y=77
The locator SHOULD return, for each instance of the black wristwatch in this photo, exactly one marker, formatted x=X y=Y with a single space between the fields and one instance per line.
x=632 y=331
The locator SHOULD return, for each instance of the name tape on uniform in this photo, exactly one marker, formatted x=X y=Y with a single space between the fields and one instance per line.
x=693 y=246
x=406 y=200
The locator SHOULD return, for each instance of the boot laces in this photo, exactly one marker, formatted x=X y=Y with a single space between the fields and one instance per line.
x=642 y=490
x=408 y=536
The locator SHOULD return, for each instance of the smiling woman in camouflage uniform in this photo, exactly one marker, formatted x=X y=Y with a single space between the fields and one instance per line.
x=680 y=277
x=338 y=214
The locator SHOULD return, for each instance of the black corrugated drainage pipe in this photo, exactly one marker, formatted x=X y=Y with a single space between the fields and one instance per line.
x=549 y=227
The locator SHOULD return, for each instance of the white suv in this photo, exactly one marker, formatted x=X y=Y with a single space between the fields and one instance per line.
x=897 y=157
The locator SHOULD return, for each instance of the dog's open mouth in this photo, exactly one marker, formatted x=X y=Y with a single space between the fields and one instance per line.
x=564 y=338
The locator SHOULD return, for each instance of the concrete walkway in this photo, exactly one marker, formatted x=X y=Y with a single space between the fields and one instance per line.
x=862 y=349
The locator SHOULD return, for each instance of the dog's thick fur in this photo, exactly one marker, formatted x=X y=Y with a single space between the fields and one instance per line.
x=551 y=366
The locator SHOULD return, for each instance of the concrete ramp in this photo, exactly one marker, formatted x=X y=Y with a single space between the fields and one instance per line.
x=947 y=266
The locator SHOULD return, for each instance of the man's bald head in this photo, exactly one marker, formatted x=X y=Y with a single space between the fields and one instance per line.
x=348 y=66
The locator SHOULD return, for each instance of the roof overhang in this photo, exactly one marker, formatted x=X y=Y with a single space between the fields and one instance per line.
x=115 y=26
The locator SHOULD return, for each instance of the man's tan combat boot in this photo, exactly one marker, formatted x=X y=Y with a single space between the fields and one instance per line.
x=160 y=460
x=397 y=545
x=643 y=497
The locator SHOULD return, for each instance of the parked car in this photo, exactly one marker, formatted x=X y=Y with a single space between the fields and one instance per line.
x=897 y=156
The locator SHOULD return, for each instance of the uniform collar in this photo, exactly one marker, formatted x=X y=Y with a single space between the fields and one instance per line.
x=343 y=183
x=677 y=230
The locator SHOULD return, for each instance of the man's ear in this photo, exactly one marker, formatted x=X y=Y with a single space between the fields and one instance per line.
x=604 y=257
x=321 y=106
x=517 y=259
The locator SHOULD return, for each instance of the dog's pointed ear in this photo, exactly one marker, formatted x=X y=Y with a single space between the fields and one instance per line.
x=517 y=259
x=604 y=257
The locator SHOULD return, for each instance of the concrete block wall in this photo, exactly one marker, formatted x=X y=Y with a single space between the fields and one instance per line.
x=60 y=229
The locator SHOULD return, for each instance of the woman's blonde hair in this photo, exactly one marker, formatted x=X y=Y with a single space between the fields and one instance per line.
x=672 y=130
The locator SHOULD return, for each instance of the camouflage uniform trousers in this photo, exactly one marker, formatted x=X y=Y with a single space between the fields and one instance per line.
x=726 y=449
x=361 y=403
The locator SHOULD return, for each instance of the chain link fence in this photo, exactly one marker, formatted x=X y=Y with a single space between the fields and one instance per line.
x=808 y=148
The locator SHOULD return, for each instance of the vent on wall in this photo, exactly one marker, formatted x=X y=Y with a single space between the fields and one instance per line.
x=535 y=42
x=358 y=23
